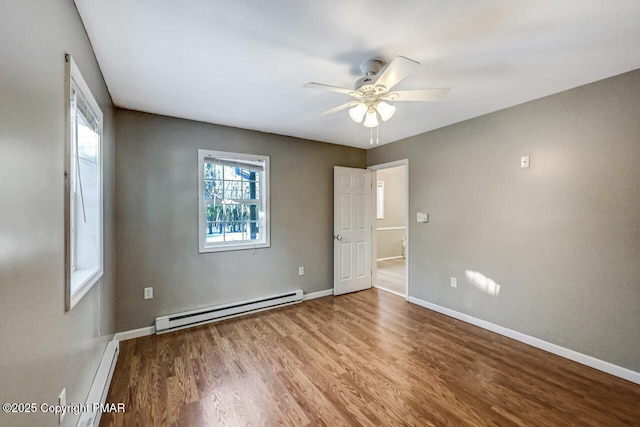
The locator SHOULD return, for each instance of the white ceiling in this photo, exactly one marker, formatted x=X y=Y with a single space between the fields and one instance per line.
x=242 y=63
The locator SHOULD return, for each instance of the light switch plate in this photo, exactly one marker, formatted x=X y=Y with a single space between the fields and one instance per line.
x=524 y=162
x=422 y=217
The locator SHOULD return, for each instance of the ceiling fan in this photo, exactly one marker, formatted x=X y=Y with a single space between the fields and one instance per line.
x=373 y=90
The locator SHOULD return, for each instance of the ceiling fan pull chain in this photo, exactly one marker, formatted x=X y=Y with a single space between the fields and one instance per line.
x=377 y=137
x=371 y=137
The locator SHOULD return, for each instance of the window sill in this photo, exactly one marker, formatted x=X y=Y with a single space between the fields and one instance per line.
x=237 y=247
x=81 y=282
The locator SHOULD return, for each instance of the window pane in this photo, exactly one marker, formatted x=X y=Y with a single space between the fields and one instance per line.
x=230 y=173
x=236 y=233
x=209 y=188
x=245 y=212
x=239 y=223
x=214 y=232
x=212 y=212
x=210 y=171
x=85 y=188
x=213 y=189
x=233 y=190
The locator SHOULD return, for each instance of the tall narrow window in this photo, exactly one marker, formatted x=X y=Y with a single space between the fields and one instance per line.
x=83 y=188
x=380 y=200
x=233 y=201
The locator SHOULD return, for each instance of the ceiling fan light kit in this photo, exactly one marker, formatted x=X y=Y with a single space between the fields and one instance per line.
x=371 y=119
x=372 y=90
x=385 y=110
x=357 y=113
x=371 y=112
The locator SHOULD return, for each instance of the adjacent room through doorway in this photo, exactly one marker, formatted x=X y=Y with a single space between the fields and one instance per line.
x=391 y=227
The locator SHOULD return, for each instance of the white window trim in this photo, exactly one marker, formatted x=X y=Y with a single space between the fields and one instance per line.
x=203 y=246
x=80 y=281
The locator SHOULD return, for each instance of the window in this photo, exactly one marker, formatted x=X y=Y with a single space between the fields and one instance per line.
x=380 y=200
x=233 y=201
x=83 y=188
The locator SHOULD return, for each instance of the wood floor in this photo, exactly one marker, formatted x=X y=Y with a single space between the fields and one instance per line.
x=368 y=358
x=391 y=275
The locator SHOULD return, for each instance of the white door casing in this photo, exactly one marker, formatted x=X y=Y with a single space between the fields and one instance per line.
x=352 y=229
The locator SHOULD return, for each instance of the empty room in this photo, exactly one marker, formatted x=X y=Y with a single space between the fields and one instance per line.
x=319 y=213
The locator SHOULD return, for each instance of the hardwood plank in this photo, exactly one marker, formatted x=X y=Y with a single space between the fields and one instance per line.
x=391 y=275
x=368 y=358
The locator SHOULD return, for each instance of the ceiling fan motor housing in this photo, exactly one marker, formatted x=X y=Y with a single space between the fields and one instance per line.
x=366 y=85
x=371 y=67
x=363 y=82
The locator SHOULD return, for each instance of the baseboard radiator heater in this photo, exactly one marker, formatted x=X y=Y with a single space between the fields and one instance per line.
x=201 y=316
x=91 y=413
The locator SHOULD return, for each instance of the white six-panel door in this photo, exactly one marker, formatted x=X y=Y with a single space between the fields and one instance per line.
x=352 y=229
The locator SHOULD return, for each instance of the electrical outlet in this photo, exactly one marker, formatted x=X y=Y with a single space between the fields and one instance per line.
x=454 y=282
x=300 y=271
x=148 y=293
x=62 y=403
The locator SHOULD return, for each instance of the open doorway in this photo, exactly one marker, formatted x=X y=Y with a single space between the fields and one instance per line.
x=391 y=225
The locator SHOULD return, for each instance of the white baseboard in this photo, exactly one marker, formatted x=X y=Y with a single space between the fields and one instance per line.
x=319 y=294
x=601 y=365
x=135 y=333
x=390 y=291
x=390 y=258
x=100 y=386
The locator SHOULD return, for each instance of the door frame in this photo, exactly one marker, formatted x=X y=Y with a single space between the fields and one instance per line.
x=374 y=230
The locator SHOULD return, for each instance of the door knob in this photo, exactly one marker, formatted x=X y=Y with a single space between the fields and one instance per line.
x=339 y=238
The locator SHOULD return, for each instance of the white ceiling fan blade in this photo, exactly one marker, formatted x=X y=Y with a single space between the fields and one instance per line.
x=340 y=107
x=396 y=71
x=417 y=95
x=331 y=88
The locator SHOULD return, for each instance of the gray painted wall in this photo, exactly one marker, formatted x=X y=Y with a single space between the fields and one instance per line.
x=389 y=242
x=156 y=210
x=561 y=239
x=43 y=348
